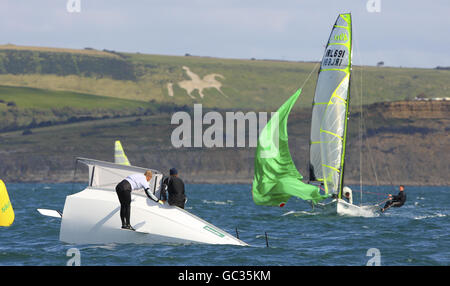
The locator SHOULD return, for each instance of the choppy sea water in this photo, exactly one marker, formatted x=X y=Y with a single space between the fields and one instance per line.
x=415 y=234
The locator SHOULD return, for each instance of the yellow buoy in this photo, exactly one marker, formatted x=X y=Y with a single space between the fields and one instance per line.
x=6 y=209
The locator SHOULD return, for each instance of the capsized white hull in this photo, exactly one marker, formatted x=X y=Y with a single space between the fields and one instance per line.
x=92 y=216
x=341 y=207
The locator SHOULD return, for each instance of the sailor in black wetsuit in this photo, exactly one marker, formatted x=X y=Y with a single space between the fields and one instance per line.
x=396 y=201
x=175 y=187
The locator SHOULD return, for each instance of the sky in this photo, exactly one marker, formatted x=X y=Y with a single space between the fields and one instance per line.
x=406 y=33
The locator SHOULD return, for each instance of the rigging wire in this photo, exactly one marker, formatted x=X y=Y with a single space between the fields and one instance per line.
x=360 y=131
x=363 y=134
x=307 y=78
x=369 y=148
x=363 y=130
x=388 y=171
x=373 y=163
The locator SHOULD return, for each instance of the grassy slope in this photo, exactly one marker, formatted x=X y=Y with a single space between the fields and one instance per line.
x=25 y=97
x=24 y=107
x=256 y=85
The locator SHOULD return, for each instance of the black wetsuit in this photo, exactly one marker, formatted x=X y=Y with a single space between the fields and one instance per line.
x=175 y=188
x=397 y=201
x=123 y=190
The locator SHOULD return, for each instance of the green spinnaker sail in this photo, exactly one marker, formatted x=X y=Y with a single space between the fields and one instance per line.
x=276 y=178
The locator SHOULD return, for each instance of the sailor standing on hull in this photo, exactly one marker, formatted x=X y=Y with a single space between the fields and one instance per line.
x=124 y=189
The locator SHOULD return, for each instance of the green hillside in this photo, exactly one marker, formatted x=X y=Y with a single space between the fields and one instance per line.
x=25 y=97
x=22 y=107
x=244 y=84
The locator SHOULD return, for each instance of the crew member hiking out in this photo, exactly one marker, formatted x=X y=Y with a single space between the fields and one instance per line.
x=396 y=201
x=175 y=187
x=124 y=189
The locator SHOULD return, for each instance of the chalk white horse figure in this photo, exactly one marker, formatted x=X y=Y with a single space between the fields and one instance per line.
x=208 y=81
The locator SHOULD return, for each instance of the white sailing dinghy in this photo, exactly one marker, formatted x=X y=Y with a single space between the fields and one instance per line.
x=92 y=215
x=277 y=179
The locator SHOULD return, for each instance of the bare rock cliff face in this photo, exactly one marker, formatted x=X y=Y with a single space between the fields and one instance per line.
x=412 y=109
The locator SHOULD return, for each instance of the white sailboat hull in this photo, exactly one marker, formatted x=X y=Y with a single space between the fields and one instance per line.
x=341 y=207
x=92 y=216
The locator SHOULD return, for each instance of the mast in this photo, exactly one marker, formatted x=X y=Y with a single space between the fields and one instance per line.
x=341 y=183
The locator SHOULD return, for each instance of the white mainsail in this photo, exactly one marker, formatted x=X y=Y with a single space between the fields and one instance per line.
x=330 y=108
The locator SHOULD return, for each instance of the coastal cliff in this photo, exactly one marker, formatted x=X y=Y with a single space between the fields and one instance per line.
x=402 y=142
